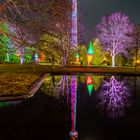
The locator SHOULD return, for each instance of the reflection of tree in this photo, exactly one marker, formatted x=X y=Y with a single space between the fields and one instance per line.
x=114 y=98
x=97 y=81
x=63 y=85
x=48 y=87
x=58 y=86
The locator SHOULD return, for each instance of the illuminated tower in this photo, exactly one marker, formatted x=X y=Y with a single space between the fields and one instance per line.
x=73 y=133
x=74 y=23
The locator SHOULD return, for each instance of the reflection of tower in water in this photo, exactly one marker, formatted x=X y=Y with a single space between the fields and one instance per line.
x=73 y=133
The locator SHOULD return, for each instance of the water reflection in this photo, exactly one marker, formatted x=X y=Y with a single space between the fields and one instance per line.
x=47 y=114
x=89 y=82
x=60 y=85
x=56 y=86
x=73 y=133
x=114 y=97
x=10 y=103
x=93 y=81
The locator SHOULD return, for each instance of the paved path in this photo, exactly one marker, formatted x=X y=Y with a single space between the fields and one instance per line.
x=28 y=68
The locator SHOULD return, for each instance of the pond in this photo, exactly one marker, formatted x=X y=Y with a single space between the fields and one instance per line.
x=90 y=107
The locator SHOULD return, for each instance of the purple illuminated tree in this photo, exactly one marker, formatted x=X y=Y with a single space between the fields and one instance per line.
x=20 y=40
x=116 y=34
x=114 y=98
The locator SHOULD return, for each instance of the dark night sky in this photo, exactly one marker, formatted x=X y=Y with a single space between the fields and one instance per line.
x=93 y=10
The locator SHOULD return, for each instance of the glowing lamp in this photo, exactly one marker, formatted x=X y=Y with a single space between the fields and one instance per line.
x=90 y=53
x=18 y=54
x=89 y=59
x=90 y=49
x=36 y=57
x=77 y=57
x=138 y=61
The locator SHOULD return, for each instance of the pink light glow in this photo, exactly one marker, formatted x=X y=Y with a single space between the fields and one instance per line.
x=73 y=101
x=74 y=23
x=73 y=134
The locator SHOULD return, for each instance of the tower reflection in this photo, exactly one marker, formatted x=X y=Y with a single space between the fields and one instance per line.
x=73 y=134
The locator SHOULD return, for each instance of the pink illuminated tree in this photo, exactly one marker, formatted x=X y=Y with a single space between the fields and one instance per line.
x=116 y=34
x=114 y=98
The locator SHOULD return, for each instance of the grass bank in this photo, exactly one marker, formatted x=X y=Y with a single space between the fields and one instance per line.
x=12 y=84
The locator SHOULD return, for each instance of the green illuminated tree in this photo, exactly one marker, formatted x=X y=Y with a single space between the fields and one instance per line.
x=97 y=81
x=5 y=47
x=83 y=54
x=98 y=53
x=51 y=46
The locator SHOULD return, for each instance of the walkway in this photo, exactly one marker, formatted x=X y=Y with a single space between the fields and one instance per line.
x=28 y=68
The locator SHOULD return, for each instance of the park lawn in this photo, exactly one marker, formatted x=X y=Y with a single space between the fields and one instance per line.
x=17 y=83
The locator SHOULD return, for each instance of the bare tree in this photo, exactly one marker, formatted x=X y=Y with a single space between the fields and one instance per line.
x=39 y=17
x=116 y=34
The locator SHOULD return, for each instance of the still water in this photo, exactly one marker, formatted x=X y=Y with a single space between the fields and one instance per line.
x=89 y=107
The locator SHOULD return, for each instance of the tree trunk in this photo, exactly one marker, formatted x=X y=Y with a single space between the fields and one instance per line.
x=21 y=55
x=7 y=57
x=113 y=61
x=21 y=59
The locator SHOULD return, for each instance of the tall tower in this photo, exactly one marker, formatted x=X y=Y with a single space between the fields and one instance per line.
x=74 y=23
x=74 y=133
